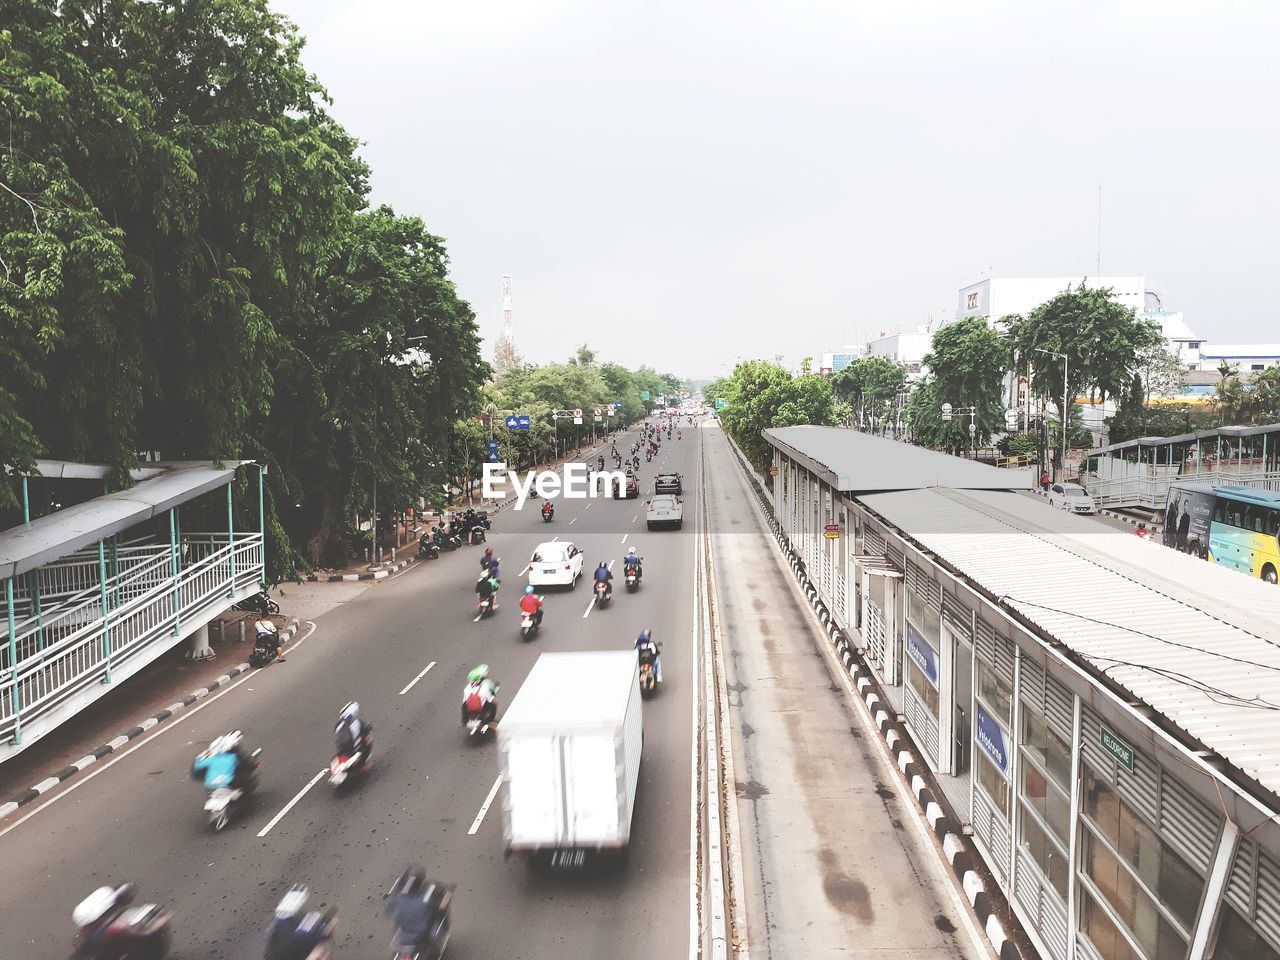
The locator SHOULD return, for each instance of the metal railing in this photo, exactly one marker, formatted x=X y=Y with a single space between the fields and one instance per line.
x=1150 y=488
x=84 y=640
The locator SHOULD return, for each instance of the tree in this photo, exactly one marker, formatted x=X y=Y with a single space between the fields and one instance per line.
x=761 y=395
x=1160 y=371
x=967 y=363
x=869 y=385
x=1101 y=339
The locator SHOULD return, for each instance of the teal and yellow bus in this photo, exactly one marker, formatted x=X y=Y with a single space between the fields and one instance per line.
x=1237 y=527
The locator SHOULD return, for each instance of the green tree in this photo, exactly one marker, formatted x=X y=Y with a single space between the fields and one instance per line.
x=967 y=363
x=869 y=385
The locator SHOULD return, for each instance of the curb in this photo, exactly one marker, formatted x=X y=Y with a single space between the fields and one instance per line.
x=960 y=855
x=112 y=746
x=371 y=575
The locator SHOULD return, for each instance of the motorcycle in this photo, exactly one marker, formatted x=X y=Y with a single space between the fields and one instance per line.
x=445 y=541
x=344 y=767
x=427 y=548
x=485 y=606
x=474 y=534
x=264 y=649
x=648 y=678
x=482 y=721
x=603 y=592
x=258 y=603
x=548 y=514
x=528 y=625
x=124 y=932
x=632 y=573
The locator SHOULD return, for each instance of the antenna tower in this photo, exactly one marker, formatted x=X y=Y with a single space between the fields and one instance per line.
x=505 y=357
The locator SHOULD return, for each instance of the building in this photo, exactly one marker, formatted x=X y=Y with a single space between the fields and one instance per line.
x=1245 y=357
x=1098 y=712
x=998 y=297
x=908 y=349
x=835 y=362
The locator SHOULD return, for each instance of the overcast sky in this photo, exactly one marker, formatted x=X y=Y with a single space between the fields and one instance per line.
x=681 y=183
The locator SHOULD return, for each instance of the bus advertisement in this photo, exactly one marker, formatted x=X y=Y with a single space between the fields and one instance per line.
x=1237 y=527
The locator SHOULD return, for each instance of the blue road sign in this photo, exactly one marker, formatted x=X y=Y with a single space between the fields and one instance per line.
x=523 y=422
x=512 y=422
x=493 y=451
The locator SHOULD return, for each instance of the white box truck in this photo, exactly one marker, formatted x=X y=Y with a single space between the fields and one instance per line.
x=570 y=750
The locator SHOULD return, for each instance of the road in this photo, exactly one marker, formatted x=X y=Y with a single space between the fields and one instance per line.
x=139 y=817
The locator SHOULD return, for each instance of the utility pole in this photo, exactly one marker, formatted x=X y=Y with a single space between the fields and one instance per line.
x=1062 y=462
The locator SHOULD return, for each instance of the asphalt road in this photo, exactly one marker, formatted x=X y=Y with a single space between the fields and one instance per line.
x=139 y=816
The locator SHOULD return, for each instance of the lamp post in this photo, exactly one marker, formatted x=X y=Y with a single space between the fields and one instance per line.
x=1062 y=462
x=948 y=411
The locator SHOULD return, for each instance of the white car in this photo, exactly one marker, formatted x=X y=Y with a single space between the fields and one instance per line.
x=1071 y=497
x=557 y=563
x=662 y=510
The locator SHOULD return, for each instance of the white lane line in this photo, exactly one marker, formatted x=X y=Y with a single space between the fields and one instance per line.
x=624 y=537
x=633 y=519
x=417 y=678
x=587 y=507
x=573 y=521
x=553 y=540
x=192 y=711
x=290 y=805
x=484 y=808
x=586 y=613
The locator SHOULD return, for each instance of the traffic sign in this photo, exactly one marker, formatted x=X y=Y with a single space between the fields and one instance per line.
x=512 y=423
x=644 y=394
x=523 y=422
x=577 y=413
x=493 y=451
x=831 y=531
x=720 y=403
x=597 y=411
x=773 y=471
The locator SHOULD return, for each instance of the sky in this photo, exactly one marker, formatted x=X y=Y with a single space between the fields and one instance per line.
x=684 y=184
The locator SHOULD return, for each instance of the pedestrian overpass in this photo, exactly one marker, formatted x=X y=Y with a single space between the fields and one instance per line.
x=96 y=591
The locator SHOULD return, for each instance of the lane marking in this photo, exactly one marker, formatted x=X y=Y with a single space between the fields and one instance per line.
x=624 y=537
x=586 y=613
x=555 y=538
x=292 y=803
x=417 y=678
x=484 y=807
x=573 y=521
x=189 y=712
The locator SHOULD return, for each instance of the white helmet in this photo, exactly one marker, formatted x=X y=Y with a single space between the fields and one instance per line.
x=291 y=903
x=350 y=711
x=91 y=908
x=631 y=551
x=227 y=743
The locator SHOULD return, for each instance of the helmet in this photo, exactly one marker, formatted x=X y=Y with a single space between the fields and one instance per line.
x=529 y=588
x=350 y=711
x=645 y=635
x=231 y=741
x=291 y=903
x=488 y=551
x=631 y=551
x=603 y=565
x=412 y=881
x=91 y=908
x=478 y=673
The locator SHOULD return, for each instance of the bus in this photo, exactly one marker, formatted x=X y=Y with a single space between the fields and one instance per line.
x=1237 y=527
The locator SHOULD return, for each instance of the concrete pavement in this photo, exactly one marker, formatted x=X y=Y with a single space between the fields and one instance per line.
x=834 y=864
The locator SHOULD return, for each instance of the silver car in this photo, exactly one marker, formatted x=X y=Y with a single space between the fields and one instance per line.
x=1071 y=497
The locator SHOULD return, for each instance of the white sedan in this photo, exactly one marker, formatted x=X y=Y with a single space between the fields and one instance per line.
x=662 y=510
x=1072 y=498
x=557 y=563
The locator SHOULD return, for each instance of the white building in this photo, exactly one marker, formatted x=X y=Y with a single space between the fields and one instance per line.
x=998 y=297
x=1245 y=357
x=907 y=349
x=836 y=361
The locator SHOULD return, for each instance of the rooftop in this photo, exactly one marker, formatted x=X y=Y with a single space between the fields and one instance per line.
x=857 y=462
x=1196 y=642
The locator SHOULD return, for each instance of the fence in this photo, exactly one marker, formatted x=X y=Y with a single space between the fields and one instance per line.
x=118 y=624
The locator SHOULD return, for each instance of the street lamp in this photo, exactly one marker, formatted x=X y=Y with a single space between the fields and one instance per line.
x=1062 y=463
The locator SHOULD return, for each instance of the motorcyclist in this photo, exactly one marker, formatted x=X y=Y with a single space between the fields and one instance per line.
x=600 y=463
x=268 y=634
x=353 y=733
x=95 y=914
x=489 y=562
x=632 y=562
x=297 y=933
x=647 y=649
x=604 y=575
x=420 y=910
x=480 y=693
x=547 y=509
x=531 y=604
x=487 y=590
x=224 y=765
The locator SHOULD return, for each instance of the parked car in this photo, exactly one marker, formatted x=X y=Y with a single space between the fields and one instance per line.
x=557 y=563
x=667 y=483
x=664 y=510
x=1071 y=497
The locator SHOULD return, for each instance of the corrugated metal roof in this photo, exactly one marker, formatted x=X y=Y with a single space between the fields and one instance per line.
x=47 y=538
x=1197 y=643
x=854 y=462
